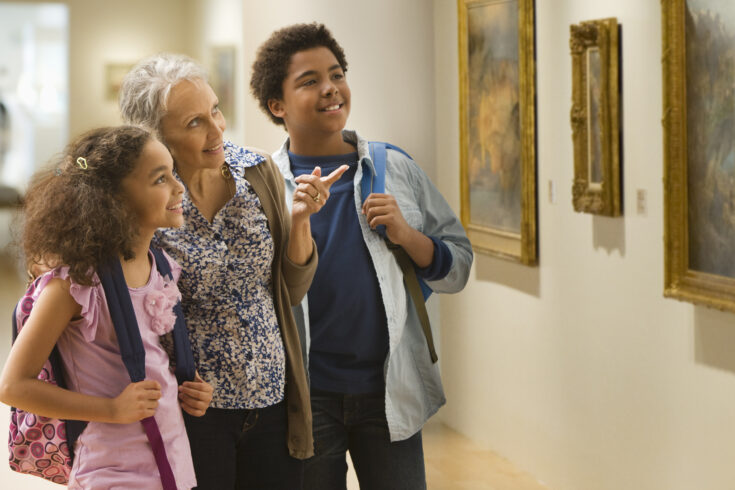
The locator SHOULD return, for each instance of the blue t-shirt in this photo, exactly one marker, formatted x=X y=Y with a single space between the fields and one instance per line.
x=349 y=333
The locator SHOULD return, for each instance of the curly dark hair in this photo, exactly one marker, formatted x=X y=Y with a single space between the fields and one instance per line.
x=270 y=67
x=73 y=213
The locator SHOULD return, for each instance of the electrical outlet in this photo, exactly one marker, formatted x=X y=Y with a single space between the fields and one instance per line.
x=552 y=192
x=641 y=202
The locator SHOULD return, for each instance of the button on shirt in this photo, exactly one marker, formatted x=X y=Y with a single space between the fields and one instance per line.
x=226 y=288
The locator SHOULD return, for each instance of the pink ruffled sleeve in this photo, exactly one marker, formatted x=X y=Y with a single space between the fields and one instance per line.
x=88 y=297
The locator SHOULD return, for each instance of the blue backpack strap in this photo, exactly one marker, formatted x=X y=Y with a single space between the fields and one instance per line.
x=184 y=365
x=376 y=183
x=417 y=288
x=123 y=319
x=133 y=356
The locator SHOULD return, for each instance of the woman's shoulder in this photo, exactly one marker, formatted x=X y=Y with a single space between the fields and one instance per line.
x=244 y=156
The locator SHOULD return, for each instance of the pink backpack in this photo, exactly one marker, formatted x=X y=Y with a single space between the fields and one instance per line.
x=38 y=445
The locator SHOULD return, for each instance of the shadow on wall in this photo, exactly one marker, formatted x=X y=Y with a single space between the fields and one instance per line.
x=714 y=338
x=608 y=234
x=511 y=274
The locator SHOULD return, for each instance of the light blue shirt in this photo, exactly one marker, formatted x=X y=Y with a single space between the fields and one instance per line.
x=413 y=385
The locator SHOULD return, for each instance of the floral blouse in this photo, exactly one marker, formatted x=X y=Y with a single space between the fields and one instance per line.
x=226 y=287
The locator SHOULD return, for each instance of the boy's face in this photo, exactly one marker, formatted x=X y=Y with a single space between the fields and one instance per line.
x=316 y=97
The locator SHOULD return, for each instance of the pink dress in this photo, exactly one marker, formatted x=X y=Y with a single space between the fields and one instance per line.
x=117 y=456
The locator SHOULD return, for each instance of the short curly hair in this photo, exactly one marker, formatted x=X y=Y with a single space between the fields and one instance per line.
x=270 y=67
x=73 y=213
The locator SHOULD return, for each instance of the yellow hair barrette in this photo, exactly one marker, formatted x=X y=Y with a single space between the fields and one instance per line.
x=82 y=163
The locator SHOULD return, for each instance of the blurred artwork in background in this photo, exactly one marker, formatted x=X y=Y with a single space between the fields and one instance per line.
x=222 y=79
x=497 y=127
x=710 y=76
x=494 y=117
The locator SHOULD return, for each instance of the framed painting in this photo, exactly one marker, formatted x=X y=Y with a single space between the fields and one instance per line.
x=114 y=74
x=222 y=78
x=498 y=127
x=699 y=151
x=595 y=117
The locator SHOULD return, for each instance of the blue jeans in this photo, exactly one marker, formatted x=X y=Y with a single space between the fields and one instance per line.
x=243 y=449
x=357 y=423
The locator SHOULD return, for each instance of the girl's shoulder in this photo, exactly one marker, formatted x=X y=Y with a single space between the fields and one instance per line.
x=88 y=297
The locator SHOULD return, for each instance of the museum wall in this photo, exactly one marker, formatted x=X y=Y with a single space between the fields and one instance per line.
x=579 y=370
x=103 y=32
x=390 y=53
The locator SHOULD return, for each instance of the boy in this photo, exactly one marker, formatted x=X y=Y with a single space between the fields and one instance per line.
x=373 y=383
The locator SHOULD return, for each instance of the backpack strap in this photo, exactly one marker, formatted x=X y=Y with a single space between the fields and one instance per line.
x=184 y=359
x=417 y=288
x=133 y=355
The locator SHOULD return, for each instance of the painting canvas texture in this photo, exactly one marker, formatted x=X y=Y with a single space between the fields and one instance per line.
x=710 y=133
x=494 y=126
x=594 y=96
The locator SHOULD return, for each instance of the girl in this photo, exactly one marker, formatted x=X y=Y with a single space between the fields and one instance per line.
x=105 y=198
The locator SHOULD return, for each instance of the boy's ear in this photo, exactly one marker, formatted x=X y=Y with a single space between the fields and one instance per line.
x=276 y=107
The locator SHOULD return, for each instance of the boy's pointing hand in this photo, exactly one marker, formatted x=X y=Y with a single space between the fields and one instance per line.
x=312 y=191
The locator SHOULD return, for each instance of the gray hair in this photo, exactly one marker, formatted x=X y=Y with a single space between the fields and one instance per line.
x=145 y=89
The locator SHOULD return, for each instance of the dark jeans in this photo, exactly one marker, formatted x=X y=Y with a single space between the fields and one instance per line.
x=243 y=449
x=357 y=423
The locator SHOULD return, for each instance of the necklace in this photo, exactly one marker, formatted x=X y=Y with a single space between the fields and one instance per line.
x=227 y=175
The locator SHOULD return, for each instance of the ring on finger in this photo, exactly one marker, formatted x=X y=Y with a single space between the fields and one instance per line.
x=317 y=197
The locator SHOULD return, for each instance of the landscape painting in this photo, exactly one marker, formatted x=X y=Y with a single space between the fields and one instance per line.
x=699 y=148
x=498 y=127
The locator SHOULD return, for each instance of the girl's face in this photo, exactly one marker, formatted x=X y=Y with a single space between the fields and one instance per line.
x=193 y=125
x=152 y=191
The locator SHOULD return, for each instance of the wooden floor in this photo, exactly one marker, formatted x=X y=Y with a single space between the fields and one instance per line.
x=453 y=462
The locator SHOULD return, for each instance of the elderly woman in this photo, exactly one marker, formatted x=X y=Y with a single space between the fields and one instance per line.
x=246 y=260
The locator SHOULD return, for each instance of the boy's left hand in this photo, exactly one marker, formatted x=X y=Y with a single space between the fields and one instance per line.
x=195 y=396
x=382 y=209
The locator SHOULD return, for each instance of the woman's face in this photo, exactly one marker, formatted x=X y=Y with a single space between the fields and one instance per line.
x=193 y=125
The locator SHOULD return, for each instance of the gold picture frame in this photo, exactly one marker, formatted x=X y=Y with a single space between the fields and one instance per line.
x=699 y=226
x=498 y=127
x=595 y=117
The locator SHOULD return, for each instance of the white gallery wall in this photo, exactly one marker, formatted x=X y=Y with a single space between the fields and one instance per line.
x=579 y=371
x=390 y=55
x=104 y=32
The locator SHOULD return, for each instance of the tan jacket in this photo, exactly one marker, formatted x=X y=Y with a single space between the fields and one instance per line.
x=290 y=284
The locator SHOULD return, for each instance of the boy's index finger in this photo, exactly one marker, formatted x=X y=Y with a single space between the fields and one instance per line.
x=335 y=175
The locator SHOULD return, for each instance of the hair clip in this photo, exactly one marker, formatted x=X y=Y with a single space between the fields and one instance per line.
x=57 y=171
x=82 y=163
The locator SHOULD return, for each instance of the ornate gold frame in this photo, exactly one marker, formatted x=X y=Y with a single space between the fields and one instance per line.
x=680 y=281
x=596 y=197
x=513 y=246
